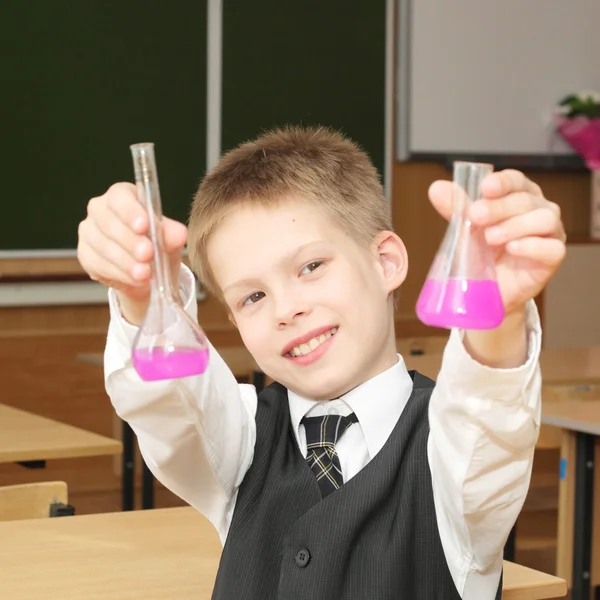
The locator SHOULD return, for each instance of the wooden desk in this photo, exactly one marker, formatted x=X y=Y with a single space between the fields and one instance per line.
x=242 y=365
x=576 y=415
x=237 y=358
x=28 y=439
x=560 y=366
x=580 y=421
x=149 y=555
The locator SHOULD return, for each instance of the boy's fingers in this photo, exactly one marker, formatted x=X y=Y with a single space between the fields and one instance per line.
x=122 y=200
x=174 y=235
x=102 y=270
x=105 y=225
x=440 y=195
x=539 y=222
x=121 y=217
x=107 y=251
x=547 y=251
x=508 y=181
x=490 y=212
x=495 y=185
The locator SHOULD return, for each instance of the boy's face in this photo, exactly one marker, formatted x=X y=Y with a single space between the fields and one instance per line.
x=311 y=304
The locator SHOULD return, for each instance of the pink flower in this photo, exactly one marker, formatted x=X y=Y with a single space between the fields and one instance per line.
x=583 y=135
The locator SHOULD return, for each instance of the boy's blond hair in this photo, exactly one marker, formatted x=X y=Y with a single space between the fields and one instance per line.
x=319 y=165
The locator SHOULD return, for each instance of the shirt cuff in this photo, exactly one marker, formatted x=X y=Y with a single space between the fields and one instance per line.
x=470 y=376
x=126 y=332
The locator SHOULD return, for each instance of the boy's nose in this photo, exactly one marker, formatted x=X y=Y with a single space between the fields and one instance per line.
x=287 y=311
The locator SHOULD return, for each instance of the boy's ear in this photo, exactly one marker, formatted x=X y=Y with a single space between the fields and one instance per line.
x=393 y=259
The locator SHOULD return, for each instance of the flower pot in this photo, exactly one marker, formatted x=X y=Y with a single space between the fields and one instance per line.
x=595 y=205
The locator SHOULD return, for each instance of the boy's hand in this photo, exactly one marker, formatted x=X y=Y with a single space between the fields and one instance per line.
x=523 y=229
x=114 y=247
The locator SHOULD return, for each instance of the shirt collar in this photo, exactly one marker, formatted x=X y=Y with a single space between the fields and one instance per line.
x=377 y=403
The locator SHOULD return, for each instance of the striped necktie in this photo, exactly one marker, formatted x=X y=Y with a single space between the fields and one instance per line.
x=322 y=434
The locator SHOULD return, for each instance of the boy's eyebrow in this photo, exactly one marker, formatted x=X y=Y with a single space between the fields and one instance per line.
x=289 y=257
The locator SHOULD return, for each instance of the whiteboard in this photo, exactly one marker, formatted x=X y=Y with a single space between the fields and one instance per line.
x=483 y=76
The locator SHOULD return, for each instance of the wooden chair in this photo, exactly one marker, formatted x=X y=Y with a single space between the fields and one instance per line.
x=34 y=501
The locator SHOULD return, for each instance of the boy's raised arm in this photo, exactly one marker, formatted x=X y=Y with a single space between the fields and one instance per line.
x=484 y=424
x=196 y=434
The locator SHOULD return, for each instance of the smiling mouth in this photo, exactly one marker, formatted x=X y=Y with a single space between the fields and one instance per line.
x=311 y=345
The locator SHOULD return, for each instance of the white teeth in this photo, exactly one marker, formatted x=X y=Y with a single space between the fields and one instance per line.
x=312 y=344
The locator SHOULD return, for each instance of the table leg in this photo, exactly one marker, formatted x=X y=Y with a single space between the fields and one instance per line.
x=128 y=471
x=584 y=512
x=147 y=487
x=510 y=546
x=566 y=507
x=595 y=572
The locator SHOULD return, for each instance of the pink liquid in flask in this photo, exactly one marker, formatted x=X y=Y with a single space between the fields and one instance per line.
x=153 y=364
x=462 y=303
x=461 y=290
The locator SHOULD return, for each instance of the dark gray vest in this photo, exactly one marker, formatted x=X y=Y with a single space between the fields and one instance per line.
x=376 y=538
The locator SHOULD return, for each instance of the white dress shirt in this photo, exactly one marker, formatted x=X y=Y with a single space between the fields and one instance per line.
x=197 y=436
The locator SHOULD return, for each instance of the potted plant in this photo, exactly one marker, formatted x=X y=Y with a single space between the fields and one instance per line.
x=578 y=121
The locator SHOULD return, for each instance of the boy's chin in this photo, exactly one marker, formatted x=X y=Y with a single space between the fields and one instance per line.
x=320 y=390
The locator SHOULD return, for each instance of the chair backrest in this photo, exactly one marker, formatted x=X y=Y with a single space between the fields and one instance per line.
x=32 y=500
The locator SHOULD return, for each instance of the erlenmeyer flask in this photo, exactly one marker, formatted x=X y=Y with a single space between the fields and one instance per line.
x=461 y=288
x=169 y=344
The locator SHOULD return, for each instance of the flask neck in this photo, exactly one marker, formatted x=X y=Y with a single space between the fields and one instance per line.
x=161 y=284
x=162 y=280
x=146 y=177
x=467 y=184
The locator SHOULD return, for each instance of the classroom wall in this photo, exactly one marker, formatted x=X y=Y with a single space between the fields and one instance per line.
x=414 y=219
x=571 y=306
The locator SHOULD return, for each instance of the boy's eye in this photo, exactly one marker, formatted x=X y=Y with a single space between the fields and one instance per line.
x=254 y=298
x=311 y=266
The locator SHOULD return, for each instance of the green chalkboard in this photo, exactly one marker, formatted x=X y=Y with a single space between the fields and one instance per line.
x=313 y=62
x=81 y=80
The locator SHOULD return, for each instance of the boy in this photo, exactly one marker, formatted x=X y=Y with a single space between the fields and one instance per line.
x=350 y=478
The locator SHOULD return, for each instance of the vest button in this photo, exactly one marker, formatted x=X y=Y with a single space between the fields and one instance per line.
x=302 y=557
